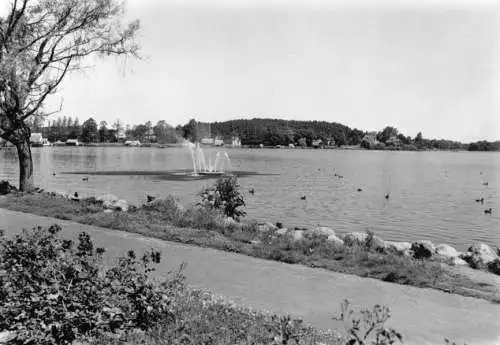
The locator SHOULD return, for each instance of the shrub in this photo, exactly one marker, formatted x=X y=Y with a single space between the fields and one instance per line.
x=6 y=188
x=371 y=325
x=225 y=196
x=53 y=291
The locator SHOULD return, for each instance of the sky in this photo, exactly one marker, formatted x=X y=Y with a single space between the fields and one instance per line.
x=430 y=66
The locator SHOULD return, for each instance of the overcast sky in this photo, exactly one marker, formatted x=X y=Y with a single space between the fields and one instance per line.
x=420 y=67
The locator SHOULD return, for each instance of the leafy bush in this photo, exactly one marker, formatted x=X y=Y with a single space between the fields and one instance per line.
x=53 y=292
x=371 y=326
x=225 y=195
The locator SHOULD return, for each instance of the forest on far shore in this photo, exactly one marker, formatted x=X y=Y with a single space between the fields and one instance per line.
x=251 y=132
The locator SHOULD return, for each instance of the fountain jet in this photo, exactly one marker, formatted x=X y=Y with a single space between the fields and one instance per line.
x=222 y=163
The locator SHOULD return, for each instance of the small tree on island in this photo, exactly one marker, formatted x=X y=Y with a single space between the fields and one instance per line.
x=41 y=41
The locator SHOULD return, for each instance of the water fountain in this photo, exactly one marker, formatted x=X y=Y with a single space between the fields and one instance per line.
x=221 y=162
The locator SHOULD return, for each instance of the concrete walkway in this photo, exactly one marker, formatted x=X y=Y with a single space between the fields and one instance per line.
x=423 y=316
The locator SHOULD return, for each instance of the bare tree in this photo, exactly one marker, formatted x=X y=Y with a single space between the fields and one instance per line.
x=41 y=41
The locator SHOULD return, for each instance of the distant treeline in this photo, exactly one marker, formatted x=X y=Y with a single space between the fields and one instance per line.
x=273 y=132
x=251 y=132
x=484 y=146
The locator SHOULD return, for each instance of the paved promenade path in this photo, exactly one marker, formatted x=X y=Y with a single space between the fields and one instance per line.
x=423 y=316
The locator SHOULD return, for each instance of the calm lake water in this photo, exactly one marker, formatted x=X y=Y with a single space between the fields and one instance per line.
x=432 y=194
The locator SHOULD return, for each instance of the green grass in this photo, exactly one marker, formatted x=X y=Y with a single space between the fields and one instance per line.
x=205 y=228
x=204 y=318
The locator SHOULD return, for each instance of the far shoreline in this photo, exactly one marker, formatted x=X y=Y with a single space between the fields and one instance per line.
x=252 y=147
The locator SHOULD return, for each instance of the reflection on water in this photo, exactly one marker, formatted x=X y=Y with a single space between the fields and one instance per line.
x=432 y=194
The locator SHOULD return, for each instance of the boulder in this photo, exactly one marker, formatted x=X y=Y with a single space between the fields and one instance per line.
x=355 y=238
x=61 y=195
x=107 y=200
x=297 y=235
x=6 y=188
x=229 y=221
x=423 y=249
x=320 y=231
x=335 y=240
x=479 y=255
x=456 y=261
x=111 y=202
x=281 y=231
x=375 y=243
x=447 y=251
x=494 y=266
x=266 y=227
x=121 y=205
x=398 y=247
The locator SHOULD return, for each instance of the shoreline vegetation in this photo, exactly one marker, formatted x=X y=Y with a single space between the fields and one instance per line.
x=419 y=264
x=246 y=133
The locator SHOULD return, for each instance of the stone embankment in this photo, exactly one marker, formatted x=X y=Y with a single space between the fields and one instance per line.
x=477 y=256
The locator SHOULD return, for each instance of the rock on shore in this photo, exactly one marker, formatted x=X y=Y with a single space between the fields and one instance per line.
x=111 y=202
x=479 y=255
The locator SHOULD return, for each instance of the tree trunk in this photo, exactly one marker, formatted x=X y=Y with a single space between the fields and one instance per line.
x=26 y=182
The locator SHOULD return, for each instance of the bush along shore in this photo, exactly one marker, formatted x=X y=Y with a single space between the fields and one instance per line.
x=216 y=222
x=57 y=291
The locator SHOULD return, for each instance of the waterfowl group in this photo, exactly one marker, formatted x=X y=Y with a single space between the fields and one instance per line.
x=488 y=210
x=251 y=191
x=85 y=179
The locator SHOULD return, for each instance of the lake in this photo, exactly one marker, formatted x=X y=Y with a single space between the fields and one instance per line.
x=432 y=194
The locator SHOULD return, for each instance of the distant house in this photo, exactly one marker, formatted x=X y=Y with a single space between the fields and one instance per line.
x=72 y=142
x=132 y=143
x=207 y=141
x=218 y=141
x=330 y=142
x=59 y=143
x=36 y=139
x=317 y=143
